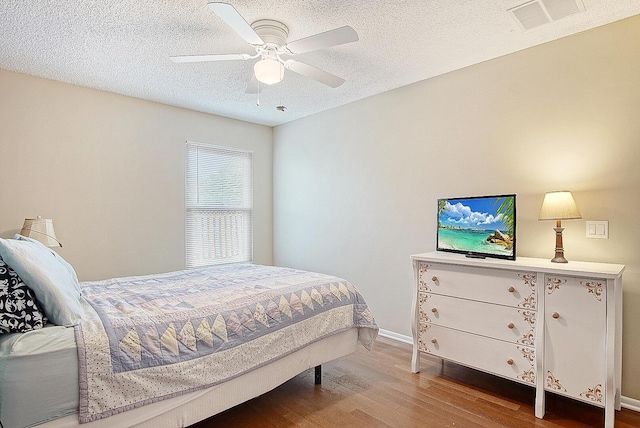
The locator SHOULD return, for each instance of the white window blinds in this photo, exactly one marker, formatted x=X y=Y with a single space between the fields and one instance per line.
x=219 y=205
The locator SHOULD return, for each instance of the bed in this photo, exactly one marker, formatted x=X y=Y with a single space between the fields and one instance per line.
x=172 y=349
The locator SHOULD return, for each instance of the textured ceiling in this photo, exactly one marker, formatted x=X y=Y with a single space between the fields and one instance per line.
x=123 y=46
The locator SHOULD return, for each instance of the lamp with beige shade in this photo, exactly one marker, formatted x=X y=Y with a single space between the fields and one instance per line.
x=559 y=206
x=40 y=229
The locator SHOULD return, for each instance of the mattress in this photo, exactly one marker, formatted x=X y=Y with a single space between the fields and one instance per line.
x=40 y=368
x=49 y=397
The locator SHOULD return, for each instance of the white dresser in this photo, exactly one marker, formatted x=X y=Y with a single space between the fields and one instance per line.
x=556 y=327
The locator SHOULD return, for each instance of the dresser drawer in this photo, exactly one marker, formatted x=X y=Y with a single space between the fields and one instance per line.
x=514 y=325
x=516 y=362
x=504 y=287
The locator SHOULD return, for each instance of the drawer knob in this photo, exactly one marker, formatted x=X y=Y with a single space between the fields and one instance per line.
x=510 y=361
x=511 y=325
x=434 y=278
x=434 y=310
x=512 y=289
x=434 y=340
x=556 y=315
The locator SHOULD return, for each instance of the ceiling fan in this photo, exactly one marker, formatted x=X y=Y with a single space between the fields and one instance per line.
x=269 y=38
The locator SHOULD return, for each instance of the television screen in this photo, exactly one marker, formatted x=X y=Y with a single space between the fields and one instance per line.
x=478 y=226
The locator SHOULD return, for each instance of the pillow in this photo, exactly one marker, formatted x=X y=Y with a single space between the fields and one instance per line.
x=51 y=279
x=19 y=311
x=66 y=264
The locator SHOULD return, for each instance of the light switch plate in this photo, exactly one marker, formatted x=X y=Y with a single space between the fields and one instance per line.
x=598 y=229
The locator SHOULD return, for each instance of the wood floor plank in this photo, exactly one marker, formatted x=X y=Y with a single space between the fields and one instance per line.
x=377 y=389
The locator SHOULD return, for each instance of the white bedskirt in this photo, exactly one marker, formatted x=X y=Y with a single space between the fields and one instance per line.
x=193 y=407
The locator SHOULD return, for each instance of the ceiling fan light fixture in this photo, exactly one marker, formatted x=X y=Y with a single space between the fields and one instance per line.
x=268 y=71
x=268 y=38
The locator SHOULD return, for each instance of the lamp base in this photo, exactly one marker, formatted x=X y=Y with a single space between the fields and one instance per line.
x=559 y=258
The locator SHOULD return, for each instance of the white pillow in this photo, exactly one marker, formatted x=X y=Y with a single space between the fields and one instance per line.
x=51 y=278
x=65 y=263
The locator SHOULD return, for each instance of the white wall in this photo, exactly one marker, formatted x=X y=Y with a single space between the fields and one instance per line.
x=355 y=187
x=109 y=170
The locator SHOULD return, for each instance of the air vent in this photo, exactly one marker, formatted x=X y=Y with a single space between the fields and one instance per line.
x=538 y=12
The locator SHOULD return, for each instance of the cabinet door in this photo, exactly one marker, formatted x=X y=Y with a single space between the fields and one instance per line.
x=575 y=337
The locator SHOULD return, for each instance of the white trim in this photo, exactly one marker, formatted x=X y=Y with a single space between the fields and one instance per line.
x=396 y=336
x=626 y=402
x=630 y=403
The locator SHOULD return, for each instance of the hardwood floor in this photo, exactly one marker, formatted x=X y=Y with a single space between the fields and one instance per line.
x=377 y=389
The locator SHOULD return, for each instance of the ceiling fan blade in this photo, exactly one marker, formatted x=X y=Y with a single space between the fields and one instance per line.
x=314 y=73
x=234 y=20
x=339 y=36
x=212 y=57
x=254 y=87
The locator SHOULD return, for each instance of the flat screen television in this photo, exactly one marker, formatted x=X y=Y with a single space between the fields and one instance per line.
x=478 y=226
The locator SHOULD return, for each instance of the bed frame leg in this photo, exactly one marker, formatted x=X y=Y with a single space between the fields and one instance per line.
x=318 y=375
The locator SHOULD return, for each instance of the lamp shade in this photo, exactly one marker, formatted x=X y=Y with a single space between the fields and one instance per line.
x=559 y=206
x=40 y=229
x=268 y=71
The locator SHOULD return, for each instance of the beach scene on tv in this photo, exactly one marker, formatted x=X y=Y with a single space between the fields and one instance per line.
x=477 y=225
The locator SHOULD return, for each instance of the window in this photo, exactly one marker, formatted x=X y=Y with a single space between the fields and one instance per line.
x=219 y=205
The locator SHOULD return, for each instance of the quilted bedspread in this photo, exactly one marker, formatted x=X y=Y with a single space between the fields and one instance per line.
x=147 y=338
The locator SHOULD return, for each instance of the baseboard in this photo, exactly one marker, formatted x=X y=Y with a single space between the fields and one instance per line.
x=630 y=403
x=626 y=402
x=396 y=336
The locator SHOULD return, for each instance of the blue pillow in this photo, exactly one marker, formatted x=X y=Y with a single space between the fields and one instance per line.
x=50 y=277
x=19 y=310
x=66 y=264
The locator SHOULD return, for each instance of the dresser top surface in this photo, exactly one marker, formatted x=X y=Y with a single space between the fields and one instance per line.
x=578 y=268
